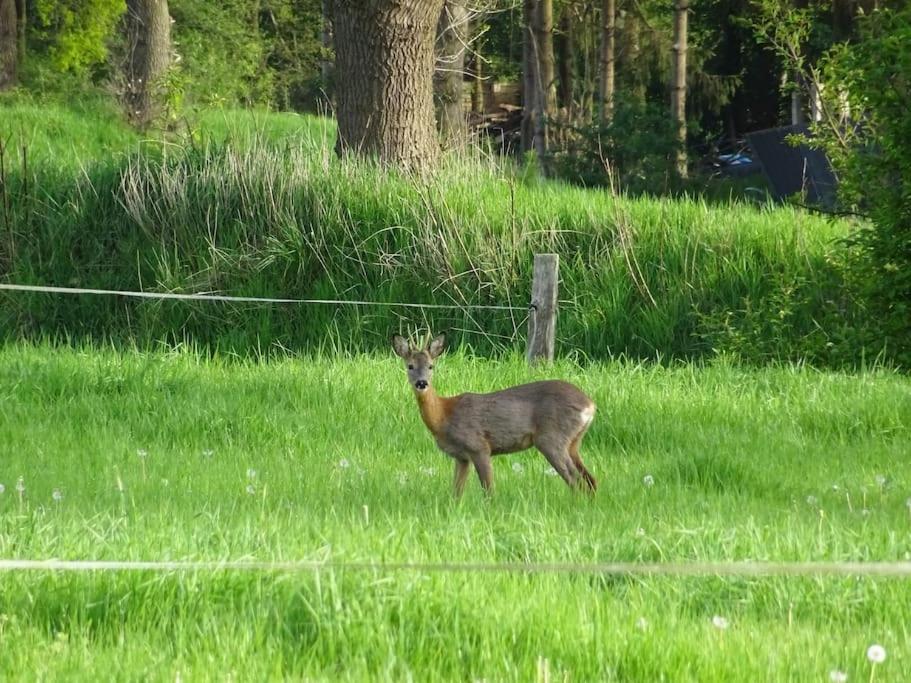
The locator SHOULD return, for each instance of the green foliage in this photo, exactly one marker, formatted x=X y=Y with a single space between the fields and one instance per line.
x=255 y=54
x=634 y=152
x=76 y=33
x=866 y=133
x=872 y=156
x=326 y=459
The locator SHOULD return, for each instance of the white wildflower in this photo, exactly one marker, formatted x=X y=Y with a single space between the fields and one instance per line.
x=20 y=485
x=344 y=464
x=812 y=501
x=251 y=473
x=642 y=623
x=837 y=676
x=251 y=489
x=57 y=495
x=517 y=467
x=881 y=479
x=648 y=480
x=876 y=654
x=720 y=622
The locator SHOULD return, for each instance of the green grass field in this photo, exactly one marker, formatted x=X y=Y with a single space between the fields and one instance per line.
x=327 y=459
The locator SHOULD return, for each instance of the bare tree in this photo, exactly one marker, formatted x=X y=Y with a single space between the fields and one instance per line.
x=384 y=65
x=678 y=82
x=148 y=32
x=608 y=55
x=451 y=45
x=9 y=50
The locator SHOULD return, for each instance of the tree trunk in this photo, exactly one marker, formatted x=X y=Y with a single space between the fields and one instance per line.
x=384 y=80
x=20 y=13
x=530 y=78
x=608 y=52
x=547 y=90
x=477 y=79
x=9 y=49
x=452 y=39
x=566 y=54
x=148 y=30
x=678 y=83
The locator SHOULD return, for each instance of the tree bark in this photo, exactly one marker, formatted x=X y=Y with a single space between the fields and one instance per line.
x=148 y=30
x=530 y=78
x=9 y=49
x=547 y=87
x=608 y=52
x=384 y=80
x=477 y=79
x=448 y=79
x=566 y=54
x=678 y=82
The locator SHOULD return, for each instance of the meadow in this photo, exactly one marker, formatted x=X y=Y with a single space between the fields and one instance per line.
x=125 y=454
x=742 y=415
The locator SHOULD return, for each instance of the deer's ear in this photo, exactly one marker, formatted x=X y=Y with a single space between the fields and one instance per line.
x=436 y=346
x=400 y=346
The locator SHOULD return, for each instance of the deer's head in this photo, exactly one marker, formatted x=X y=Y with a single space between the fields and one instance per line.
x=419 y=361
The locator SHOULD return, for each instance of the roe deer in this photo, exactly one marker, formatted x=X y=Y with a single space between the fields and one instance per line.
x=552 y=416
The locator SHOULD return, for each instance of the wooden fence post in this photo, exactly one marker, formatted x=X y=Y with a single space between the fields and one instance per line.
x=542 y=319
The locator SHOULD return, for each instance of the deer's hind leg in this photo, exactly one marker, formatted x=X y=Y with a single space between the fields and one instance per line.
x=577 y=461
x=557 y=453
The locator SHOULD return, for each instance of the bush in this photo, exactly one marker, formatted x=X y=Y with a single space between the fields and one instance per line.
x=873 y=159
x=633 y=153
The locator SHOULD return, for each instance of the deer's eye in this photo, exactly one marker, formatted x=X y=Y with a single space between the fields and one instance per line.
x=430 y=367
x=410 y=367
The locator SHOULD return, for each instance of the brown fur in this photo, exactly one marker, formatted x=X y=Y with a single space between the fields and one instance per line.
x=551 y=415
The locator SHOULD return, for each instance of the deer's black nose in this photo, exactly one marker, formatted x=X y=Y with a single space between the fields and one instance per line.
x=421 y=384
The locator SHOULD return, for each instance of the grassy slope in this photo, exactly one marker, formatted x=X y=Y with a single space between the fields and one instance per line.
x=257 y=204
x=736 y=456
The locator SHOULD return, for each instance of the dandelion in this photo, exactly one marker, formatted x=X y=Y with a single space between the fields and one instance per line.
x=517 y=468
x=20 y=486
x=881 y=480
x=865 y=512
x=142 y=453
x=837 y=676
x=428 y=471
x=550 y=472
x=642 y=623
x=2 y=489
x=57 y=495
x=720 y=622
x=640 y=532
x=876 y=654
x=836 y=488
x=812 y=501
x=648 y=480
x=344 y=464
x=251 y=489
x=251 y=473
x=208 y=453
x=908 y=503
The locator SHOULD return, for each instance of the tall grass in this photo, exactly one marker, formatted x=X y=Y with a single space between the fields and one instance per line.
x=766 y=464
x=260 y=206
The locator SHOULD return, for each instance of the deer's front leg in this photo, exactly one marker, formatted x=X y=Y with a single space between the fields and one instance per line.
x=484 y=468
x=461 y=474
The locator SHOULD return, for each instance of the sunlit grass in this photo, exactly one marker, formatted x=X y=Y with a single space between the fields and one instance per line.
x=180 y=456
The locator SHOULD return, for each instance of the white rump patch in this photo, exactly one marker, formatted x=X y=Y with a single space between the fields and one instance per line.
x=587 y=415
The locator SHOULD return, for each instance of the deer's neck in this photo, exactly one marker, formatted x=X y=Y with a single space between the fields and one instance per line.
x=435 y=410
